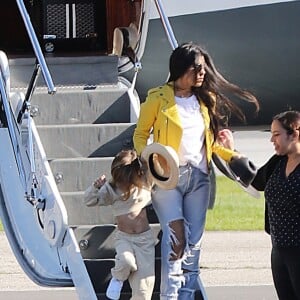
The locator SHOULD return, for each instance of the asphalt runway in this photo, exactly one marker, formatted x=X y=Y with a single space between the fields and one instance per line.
x=254 y=144
x=214 y=293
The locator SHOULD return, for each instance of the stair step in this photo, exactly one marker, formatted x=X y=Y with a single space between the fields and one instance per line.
x=99 y=271
x=96 y=241
x=85 y=140
x=97 y=70
x=105 y=104
x=76 y=174
x=80 y=214
x=127 y=296
x=96 y=244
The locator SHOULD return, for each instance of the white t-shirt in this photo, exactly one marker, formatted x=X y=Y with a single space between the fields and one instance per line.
x=192 y=146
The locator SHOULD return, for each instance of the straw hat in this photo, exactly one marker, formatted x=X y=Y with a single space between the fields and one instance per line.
x=240 y=170
x=124 y=38
x=163 y=165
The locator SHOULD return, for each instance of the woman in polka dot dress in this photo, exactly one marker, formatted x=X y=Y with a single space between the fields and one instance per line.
x=279 y=178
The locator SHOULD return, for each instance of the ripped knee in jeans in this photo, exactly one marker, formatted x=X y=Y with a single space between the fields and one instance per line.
x=177 y=239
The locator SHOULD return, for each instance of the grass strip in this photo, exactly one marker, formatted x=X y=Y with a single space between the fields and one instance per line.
x=235 y=209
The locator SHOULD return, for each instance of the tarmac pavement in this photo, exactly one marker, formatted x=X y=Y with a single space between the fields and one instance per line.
x=235 y=265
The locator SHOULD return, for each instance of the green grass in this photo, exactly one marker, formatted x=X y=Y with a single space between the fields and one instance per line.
x=235 y=209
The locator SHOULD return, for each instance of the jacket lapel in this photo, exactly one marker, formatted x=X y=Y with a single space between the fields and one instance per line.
x=169 y=105
x=205 y=115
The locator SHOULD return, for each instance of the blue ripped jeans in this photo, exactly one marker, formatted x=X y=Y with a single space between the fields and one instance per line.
x=189 y=202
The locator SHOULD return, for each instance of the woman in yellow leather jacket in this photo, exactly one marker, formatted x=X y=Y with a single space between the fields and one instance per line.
x=186 y=113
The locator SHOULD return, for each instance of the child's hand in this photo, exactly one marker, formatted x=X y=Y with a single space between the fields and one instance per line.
x=99 y=181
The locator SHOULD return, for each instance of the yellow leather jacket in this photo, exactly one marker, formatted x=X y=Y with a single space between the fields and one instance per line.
x=159 y=115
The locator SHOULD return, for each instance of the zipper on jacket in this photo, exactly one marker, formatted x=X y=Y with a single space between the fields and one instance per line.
x=167 y=128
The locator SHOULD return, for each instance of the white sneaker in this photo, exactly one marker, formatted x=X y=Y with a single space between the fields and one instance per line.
x=114 y=288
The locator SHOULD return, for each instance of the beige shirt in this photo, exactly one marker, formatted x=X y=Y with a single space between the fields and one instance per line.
x=106 y=195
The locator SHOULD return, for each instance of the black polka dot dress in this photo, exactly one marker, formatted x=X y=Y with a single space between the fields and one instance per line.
x=283 y=202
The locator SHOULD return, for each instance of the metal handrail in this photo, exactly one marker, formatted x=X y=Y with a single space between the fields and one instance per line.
x=40 y=66
x=36 y=47
x=11 y=130
x=166 y=24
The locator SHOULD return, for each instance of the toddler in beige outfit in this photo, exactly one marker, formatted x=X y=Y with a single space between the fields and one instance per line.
x=128 y=192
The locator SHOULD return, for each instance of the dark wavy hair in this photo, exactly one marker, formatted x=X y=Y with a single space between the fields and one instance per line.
x=128 y=172
x=214 y=88
x=289 y=120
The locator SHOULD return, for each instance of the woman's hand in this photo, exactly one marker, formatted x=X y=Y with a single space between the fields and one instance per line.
x=99 y=181
x=161 y=165
x=225 y=138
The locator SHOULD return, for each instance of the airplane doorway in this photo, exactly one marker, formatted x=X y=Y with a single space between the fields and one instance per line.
x=13 y=35
x=66 y=26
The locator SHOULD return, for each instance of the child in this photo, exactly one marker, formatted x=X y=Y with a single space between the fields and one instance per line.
x=129 y=192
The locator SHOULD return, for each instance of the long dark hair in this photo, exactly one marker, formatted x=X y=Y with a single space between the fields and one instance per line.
x=214 y=88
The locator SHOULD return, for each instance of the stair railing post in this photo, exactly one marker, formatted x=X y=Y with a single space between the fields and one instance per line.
x=36 y=47
x=166 y=24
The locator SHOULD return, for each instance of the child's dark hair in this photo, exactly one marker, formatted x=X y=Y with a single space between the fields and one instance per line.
x=289 y=120
x=127 y=172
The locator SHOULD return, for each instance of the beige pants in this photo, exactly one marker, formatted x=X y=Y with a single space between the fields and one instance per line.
x=135 y=262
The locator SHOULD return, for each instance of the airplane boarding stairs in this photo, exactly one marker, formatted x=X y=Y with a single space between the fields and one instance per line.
x=80 y=128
